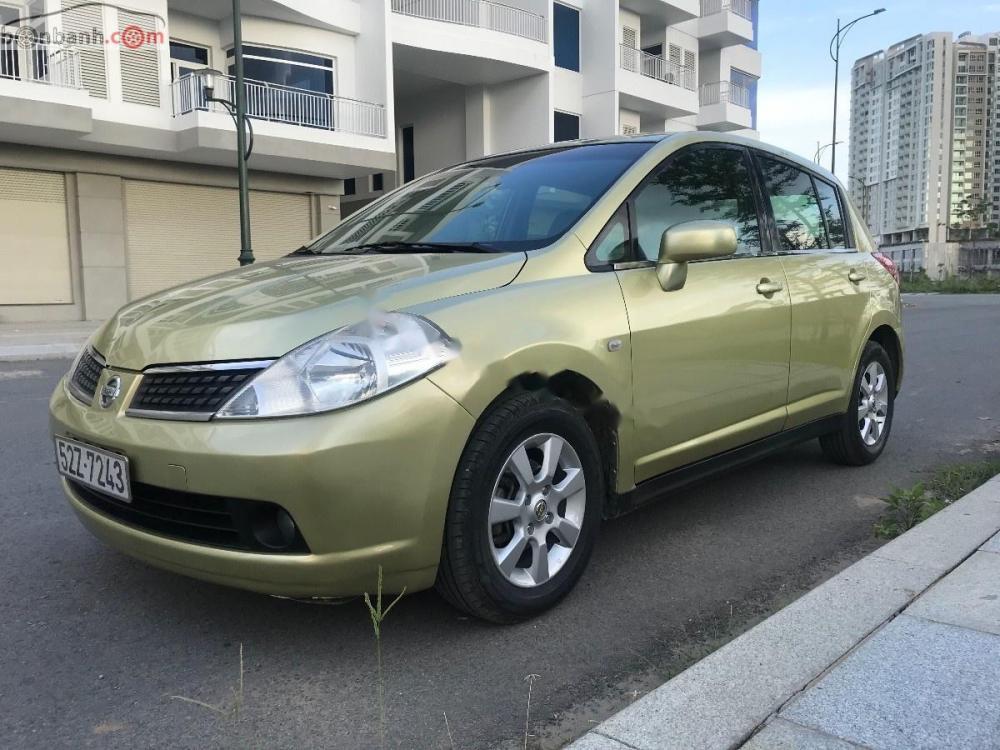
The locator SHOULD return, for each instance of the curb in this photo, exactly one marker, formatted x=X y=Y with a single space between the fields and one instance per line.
x=33 y=352
x=720 y=701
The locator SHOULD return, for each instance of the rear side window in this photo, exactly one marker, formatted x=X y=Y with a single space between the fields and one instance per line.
x=830 y=205
x=702 y=183
x=795 y=205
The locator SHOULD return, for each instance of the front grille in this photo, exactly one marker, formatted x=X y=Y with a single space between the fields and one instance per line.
x=85 y=376
x=203 y=519
x=194 y=391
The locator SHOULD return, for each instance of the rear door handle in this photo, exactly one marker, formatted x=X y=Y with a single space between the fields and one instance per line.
x=856 y=276
x=768 y=287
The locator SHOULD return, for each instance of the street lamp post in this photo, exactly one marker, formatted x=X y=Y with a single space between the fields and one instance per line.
x=246 y=249
x=835 y=43
x=821 y=149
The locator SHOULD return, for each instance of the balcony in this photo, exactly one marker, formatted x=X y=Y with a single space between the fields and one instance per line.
x=284 y=104
x=468 y=42
x=41 y=91
x=724 y=106
x=662 y=12
x=725 y=23
x=656 y=86
x=481 y=14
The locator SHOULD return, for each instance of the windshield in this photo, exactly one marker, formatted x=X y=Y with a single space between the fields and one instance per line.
x=507 y=203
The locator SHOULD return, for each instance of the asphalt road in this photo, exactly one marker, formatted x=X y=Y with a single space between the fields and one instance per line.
x=92 y=644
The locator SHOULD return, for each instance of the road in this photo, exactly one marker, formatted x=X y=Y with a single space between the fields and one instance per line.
x=92 y=643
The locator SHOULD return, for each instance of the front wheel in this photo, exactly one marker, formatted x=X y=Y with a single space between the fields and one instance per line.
x=865 y=427
x=524 y=509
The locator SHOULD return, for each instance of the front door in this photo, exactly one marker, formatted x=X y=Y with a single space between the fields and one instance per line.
x=710 y=360
x=828 y=283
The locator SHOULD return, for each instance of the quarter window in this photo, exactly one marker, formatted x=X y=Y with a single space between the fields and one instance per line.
x=831 y=213
x=698 y=184
x=612 y=244
x=795 y=206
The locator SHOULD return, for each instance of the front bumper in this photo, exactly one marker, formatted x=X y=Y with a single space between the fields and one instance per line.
x=367 y=486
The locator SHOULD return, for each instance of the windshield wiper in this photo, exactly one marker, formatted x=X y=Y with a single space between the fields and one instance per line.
x=421 y=247
x=304 y=250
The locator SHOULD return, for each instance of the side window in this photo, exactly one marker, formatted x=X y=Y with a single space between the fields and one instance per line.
x=830 y=205
x=702 y=183
x=611 y=246
x=796 y=209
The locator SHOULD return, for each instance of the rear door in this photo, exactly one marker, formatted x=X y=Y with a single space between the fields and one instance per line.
x=827 y=281
x=710 y=360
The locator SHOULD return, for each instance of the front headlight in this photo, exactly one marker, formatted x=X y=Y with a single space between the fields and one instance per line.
x=344 y=367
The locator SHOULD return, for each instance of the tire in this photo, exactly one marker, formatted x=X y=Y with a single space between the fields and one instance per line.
x=847 y=445
x=541 y=510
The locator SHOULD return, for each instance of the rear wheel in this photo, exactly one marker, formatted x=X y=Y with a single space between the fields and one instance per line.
x=524 y=509
x=865 y=427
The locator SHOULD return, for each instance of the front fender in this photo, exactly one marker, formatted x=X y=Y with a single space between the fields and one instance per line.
x=543 y=326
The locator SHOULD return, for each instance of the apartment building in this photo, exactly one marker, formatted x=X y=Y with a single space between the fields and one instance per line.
x=117 y=158
x=925 y=150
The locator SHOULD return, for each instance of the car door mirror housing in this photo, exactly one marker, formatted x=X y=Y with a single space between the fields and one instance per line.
x=692 y=240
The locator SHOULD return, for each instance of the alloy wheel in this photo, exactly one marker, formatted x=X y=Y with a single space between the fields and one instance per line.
x=873 y=403
x=537 y=510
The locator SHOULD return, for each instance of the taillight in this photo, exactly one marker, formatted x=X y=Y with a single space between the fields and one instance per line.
x=888 y=265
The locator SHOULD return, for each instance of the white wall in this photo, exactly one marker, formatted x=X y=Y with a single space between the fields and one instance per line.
x=521 y=113
x=438 y=120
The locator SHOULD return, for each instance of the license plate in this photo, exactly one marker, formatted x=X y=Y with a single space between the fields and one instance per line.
x=98 y=469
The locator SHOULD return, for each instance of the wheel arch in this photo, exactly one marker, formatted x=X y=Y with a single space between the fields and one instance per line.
x=887 y=337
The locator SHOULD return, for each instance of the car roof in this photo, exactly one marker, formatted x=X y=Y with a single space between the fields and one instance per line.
x=688 y=137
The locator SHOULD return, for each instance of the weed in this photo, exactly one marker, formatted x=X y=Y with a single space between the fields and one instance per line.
x=907 y=508
x=530 y=679
x=918 y=281
x=378 y=616
x=230 y=710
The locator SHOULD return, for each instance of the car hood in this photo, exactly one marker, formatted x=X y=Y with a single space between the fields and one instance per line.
x=265 y=310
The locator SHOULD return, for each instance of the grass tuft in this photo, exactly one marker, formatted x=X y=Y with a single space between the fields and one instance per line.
x=378 y=615
x=907 y=508
x=918 y=281
x=230 y=709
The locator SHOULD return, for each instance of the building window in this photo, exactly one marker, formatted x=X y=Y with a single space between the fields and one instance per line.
x=350 y=186
x=283 y=68
x=566 y=36
x=378 y=183
x=409 y=162
x=186 y=59
x=566 y=126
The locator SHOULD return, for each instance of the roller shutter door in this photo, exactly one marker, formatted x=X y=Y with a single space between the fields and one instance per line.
x=179 y=233
x=34 y=238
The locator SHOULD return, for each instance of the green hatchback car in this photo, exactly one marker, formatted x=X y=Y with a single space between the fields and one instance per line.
x=460 y=381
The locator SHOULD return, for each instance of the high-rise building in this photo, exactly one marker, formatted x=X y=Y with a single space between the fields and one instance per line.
x=923 y=142
x=117 y=159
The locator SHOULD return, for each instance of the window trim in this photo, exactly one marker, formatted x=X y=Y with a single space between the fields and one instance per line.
x=765 y=205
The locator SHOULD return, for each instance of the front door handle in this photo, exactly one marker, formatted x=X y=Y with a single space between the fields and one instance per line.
x=768 y=287
x=856 y=276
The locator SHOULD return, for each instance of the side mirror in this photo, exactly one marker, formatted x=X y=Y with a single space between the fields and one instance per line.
x=692 y=240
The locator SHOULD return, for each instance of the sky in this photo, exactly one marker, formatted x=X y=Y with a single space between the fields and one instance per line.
x=795 y=95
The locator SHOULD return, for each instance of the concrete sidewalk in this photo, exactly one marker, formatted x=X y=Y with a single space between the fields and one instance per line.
x=28 y=341
x=899 y=651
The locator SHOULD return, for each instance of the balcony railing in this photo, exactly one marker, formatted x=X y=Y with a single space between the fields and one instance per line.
x=276 y=103
x=742 y=8
x=654 y=66
x=719 y=92
x=483 y=14
x=40 y=63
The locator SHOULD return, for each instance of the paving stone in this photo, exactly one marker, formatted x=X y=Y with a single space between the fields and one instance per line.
x=969 y=596
x=784 y=735
x=993 y=545
x=720 y=700
x=914 y=684
x=595 y=741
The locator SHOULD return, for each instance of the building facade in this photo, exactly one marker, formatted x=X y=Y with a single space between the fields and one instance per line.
x=116 y=155
x=925 y=151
